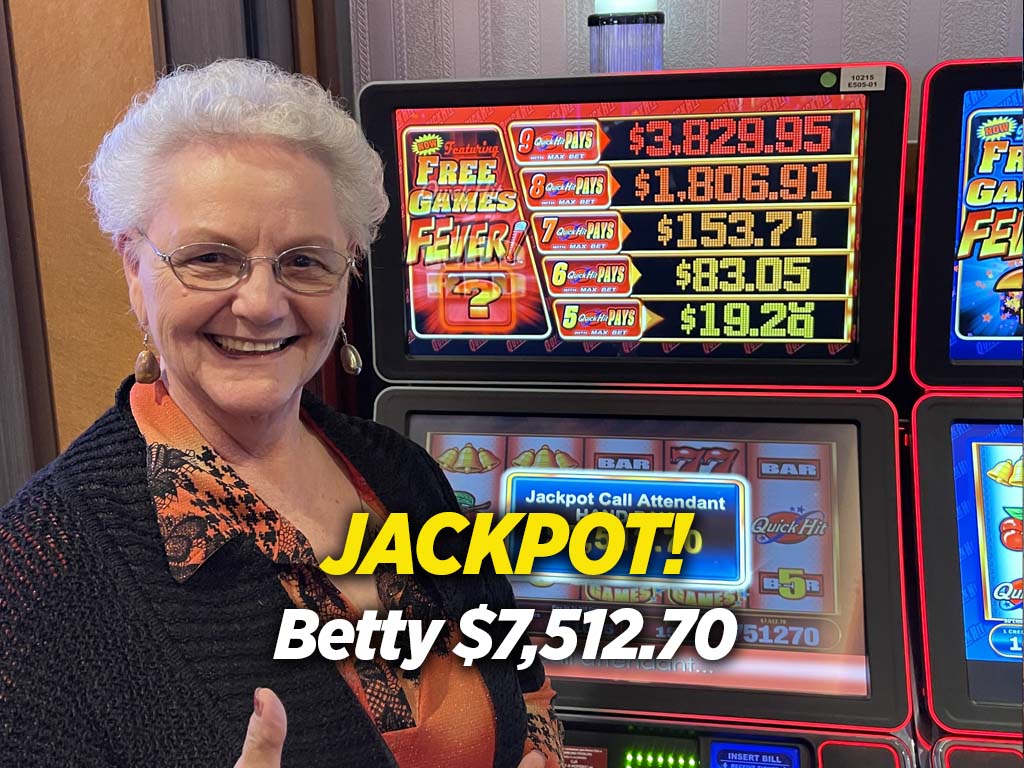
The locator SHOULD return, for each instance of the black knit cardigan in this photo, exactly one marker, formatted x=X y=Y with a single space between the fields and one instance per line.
x=106 y=660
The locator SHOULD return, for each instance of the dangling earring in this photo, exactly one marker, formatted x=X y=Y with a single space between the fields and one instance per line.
x=147 y=366
x=351 y=360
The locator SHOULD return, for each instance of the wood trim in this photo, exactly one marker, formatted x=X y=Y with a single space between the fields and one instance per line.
x=17 y=211
x=270 y=26
x=334 y=71
x=201 y=31
x=158 y=36
x=334 y=50
x=304 y=37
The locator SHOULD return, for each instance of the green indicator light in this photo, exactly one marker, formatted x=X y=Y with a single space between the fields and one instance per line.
x=629 y=757
x=650 y=758
x=693 y=761
x=828 y=79
x=660 y=759
x=671 y=760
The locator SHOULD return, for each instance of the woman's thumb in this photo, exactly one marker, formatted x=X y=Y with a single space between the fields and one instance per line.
x=264 y=739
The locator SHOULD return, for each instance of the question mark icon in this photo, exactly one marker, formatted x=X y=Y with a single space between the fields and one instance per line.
x=482 y=293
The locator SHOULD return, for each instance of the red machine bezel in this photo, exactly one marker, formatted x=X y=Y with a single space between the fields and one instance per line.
x=861 y=745
x=926 y=94
x=1003 y=749
x=927 y=656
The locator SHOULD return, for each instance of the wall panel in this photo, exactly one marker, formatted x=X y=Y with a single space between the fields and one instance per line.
x=78 y=65
x=429 y=39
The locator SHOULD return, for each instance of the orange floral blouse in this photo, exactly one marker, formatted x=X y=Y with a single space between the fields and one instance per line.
x=441 y=709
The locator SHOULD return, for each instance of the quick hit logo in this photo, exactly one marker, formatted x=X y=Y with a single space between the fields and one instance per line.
x=790 y=527
x=574 y=276
x=788 y=469
x=1010 y=594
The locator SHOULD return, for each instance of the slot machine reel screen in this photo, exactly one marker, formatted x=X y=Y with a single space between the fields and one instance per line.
x=969 y=266
x=819 y=628
x=682 y=227
x=971 y=465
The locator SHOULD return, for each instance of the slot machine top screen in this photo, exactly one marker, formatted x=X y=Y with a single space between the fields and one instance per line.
x=970 y=226
x=678 y=227
x=777 y=537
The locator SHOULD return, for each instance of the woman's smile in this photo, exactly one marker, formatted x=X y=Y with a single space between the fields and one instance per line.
x=233 y=346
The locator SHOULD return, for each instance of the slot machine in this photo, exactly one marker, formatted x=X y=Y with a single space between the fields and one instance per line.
x=966 y=429
x=678 y=291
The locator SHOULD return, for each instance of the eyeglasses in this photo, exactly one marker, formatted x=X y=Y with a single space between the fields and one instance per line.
x=218 y=266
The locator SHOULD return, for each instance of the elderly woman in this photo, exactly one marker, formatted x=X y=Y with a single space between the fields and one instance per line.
x=144 y=573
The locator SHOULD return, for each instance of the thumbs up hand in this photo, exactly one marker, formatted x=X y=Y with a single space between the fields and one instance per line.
x=268 y=726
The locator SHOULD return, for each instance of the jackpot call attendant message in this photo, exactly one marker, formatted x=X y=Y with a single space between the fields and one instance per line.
x=687 y=531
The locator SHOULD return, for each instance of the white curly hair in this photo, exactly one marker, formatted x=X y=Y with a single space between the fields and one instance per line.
x=225 y=99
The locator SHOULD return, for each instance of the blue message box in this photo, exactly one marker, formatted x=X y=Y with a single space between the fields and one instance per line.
x=720 y=526
x=725 y=754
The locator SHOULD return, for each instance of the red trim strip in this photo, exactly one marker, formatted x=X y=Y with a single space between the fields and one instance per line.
x=986 y=750
x=929 y=695
x=860 y=745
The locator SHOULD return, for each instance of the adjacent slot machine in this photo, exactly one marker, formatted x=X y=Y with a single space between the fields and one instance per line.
x=967 y=439
x=587 y=253
x=967 y=273
x=970 y=485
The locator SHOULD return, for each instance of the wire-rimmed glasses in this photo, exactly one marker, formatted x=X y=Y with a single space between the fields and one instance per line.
x=219 y=266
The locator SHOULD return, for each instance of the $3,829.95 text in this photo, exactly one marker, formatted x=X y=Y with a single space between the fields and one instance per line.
x=593 y=634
